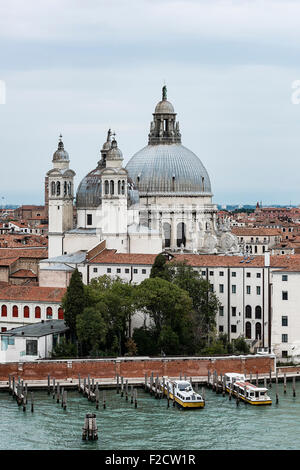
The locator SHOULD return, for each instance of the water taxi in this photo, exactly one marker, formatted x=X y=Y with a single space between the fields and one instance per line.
x=237 y=384
x=184 y=394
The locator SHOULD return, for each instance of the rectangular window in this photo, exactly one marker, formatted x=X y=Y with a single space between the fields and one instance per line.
x=284 y=354
x=31 y=347
x=109 y=270
x=221 y=329
x=144 y=271
x=233 y=274
x=258 y=275
x=221 y=288
x=248 y=290
x=211 y=273
x=221 y=311
x=95 y=270
x=203 y=273
x=221 y=273
x=284 y=295
x=126 y=270
x=248 y=274
x=135 y=271
x=118 y=270
x=211 y=287
x=284 y=320
x=284 y=338
x=284 y=277
x=89 y=219
x=233 y=289
x=233 y=311
x=233 y=328
x=258 y=290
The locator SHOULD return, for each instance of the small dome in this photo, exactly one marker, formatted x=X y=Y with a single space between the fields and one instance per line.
x=61 y=154
x=114 y=153
x=164 y=107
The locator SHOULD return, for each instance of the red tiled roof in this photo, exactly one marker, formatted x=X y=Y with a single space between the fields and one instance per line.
x=280 y=261
x=31 y=293
x=7 y=253
x=256 y=231
x=24 y=273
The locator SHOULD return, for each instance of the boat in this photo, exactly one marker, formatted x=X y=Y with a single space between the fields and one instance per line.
x=246 y=391
x=184 y=394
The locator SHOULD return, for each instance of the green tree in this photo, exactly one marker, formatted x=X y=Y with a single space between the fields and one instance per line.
x=64 y=349
x=169 y=308
x=74 y=302
x=91 y=328
x=160 y=268
x=119 y=298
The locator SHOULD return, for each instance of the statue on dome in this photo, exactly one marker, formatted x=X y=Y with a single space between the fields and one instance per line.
x=164 y=92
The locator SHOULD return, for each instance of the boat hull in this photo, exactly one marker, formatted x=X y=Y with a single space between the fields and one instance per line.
x=185 y=404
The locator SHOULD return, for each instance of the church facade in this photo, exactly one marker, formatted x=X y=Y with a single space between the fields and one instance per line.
x=161 y=200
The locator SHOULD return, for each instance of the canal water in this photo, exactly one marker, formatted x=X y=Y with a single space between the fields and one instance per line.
x=153 y=426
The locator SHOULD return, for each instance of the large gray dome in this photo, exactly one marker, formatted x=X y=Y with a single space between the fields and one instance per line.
x=168 y=169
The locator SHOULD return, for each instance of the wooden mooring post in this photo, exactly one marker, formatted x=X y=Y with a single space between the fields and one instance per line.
x=270 y=378
x=230 y=391
x=118 y=383
x=146 y=382
x=104 y=399
x=97 y=397
x=208 y=378
x=53 y=388
x=277 y=398
x=122 y=386
x=284 y=383
x=48 y=384
x=135 y=398
x=32 y=402
x=90 y=430
x=131 y=394
x=57 y=393
x=64 y=400
x=294 y=386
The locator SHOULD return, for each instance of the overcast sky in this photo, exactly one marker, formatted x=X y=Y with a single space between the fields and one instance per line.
x=81 y=67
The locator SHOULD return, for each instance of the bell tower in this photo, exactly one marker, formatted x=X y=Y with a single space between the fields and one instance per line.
x=60 y=200
x=164 y=128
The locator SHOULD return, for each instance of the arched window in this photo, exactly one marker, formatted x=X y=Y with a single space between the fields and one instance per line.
x=258 y=331
x=60 y=313
x=15 y=311
x=112 y=187
x=123 y=187
x=119 y=187
x=167 y=234
x=26 y=311
x=106 y=187
x=4 y=311
x=53 y=188
x=65 y=188
x=49 y=312
x=58 y=188
x=258 y=312
x=70 y=188
x=248 y=311
x=37 y=312
x=248 y=330
x=181 y=240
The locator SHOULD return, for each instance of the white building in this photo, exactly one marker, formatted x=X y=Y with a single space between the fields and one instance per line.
x=31 y=342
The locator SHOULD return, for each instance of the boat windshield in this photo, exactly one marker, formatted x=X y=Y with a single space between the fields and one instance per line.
x=185 y=387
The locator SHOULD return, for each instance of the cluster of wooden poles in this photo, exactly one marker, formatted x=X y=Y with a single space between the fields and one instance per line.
x=19 y=391
x=218 y=384
x=90 y=389
x=58 y=393
x=123 y=388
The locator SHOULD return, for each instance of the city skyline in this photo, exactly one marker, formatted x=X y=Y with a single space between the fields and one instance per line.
x=229 y=69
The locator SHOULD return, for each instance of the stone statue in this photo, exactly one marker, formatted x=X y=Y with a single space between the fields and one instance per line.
x=164 y=92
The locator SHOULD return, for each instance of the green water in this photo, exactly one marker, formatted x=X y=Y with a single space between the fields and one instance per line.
x=220 y=425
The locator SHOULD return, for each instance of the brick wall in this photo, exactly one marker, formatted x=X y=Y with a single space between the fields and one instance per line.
x=137 y=367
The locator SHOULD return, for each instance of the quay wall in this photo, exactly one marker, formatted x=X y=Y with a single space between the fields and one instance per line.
x=138 y=366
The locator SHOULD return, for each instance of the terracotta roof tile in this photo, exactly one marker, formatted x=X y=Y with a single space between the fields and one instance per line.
x=31 y=293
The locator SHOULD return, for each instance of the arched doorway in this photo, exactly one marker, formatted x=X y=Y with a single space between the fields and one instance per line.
x=248 y=330
x=181 y=239
x=167 y=234
x=258 y=331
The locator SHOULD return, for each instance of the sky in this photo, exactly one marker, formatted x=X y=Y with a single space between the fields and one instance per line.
x=78 y=68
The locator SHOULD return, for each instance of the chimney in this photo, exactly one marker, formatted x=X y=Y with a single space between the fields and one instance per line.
x=267 y=259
